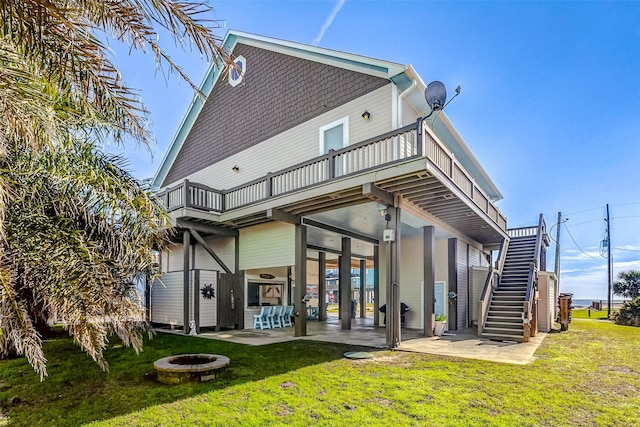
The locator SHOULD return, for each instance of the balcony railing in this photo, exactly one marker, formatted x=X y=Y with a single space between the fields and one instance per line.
x=407 y=143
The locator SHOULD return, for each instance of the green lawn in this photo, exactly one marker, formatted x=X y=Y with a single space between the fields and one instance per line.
x=588 y=375
x=585 y=313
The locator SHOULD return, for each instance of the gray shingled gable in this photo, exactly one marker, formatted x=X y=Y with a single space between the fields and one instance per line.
x=279 y=92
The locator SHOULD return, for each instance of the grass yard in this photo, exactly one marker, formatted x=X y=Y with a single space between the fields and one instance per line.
x=588 y=375
x=585 y=313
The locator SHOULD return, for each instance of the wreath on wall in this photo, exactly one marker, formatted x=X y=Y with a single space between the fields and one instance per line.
x=208 y=292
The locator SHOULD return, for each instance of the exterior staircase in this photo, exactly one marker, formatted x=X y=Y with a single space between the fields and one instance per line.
x=504 y=320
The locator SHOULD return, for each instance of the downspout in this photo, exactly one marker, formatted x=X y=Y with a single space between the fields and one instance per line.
x=414 y=84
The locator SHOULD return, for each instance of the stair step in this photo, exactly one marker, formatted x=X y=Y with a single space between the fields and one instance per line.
x=513 y=277
x=499 y=304
x=510 y=316
x=503 y=331
x=505 y=313
x=508 y=331
x=503 y=337
x=503 y=320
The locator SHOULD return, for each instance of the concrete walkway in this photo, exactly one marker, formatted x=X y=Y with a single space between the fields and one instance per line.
x=464 y=344
x=467 y=344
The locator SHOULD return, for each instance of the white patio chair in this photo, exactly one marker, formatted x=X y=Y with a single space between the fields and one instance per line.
x=262 y=320
x=285 y=317
x=276 y=318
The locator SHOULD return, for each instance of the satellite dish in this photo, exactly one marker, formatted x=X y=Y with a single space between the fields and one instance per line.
x=436 y=95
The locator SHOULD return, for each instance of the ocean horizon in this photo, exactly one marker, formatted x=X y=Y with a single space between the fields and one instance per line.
x=586 y=302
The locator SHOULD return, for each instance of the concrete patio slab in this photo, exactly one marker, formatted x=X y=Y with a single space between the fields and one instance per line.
x=464 y=344
x=468 y=345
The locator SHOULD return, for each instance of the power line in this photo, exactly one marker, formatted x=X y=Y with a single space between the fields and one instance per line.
x=586 y=210
x=603 y=207
x=627 y=250
x=576 y=243
x=627 y=204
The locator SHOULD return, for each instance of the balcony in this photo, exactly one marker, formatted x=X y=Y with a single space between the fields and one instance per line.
x=398 y=147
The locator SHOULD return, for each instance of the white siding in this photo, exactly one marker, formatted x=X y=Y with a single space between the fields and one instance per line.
x=166 y=299
x=409 y=114
x=300 y=143
x=223 y=247
x=442 y=261
x=411 y=279
x=267 y=245
x=546 y=301
x=172 y=258
x=208 y=307
x=463 y=283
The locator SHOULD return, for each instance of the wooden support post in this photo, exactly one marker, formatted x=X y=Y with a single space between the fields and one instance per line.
x=363 y=289
x=299 y=303
x=393 y=281
x=376 y=285
x=196 y=299
x=322 y=286
x=186 y=248
x=345 y=284
x=429 y=253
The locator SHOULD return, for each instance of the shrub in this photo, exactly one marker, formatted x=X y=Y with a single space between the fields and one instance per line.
x=628 y=314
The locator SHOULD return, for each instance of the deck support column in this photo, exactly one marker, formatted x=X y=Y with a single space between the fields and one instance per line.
x=322 y=286
x=363 y=288
x=452 y=317
x=376 y=285
x=429 y=252
x=300 y=303
x=186 y=249
x=345 y=284
x=393 y=280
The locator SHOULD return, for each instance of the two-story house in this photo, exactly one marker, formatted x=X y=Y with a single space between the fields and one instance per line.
x=310 y=157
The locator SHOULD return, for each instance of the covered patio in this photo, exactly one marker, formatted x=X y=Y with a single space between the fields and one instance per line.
x=463 y=344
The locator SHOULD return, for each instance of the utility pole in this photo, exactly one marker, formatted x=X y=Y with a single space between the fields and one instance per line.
x=608 y=262
x=557 y=266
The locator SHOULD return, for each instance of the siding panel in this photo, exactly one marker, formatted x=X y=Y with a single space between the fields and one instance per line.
x=411 y=277
x=463 y=285
x=298 y=144
x=278 y=93
x=223 y=247
x=208 y=307
x=166 y=299
x=267 y=245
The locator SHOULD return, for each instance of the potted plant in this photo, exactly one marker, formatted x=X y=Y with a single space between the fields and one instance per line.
x=441 y=325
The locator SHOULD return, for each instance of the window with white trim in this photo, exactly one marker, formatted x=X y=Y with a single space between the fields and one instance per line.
x=237 y=74
x=334 y=136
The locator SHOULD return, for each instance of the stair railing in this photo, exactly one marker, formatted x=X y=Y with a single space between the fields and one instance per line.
x=493 y=279
x=528 y=322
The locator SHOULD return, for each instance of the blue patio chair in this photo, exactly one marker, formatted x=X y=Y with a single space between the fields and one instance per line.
x=272 y=310
x=276 y=317
x=262 y=320
x=285 y=317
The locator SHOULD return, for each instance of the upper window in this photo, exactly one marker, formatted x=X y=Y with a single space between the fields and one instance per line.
x=237 y=74
x=334 y=136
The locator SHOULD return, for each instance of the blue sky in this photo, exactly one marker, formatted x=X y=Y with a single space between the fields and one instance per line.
x=549 y=104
